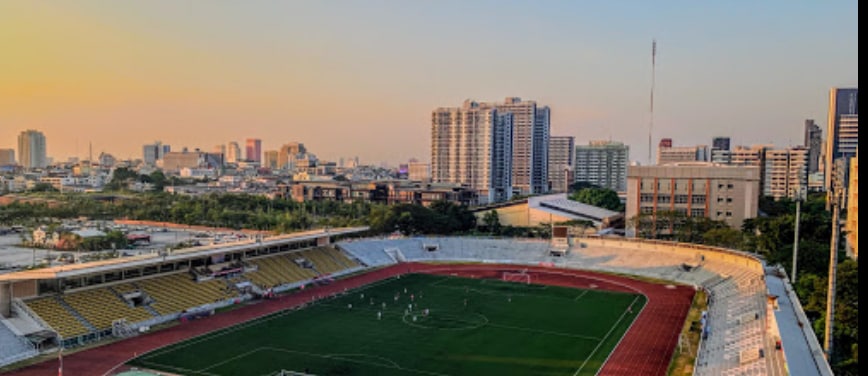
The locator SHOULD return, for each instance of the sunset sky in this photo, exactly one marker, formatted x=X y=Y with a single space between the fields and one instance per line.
x=361 y=78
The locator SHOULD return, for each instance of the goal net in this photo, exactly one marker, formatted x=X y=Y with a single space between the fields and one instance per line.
x=521 y=277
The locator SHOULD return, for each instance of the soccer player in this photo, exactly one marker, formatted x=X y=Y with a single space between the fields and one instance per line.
x=350 y=306
x=379 y=315
x=411 y=297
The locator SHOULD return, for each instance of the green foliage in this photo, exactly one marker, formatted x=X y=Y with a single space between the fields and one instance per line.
x=724 y=237
x=441 y=218
x=599 y=197
x=579 y=185
x=42 y=187
x=676 y=226
x=492 y=222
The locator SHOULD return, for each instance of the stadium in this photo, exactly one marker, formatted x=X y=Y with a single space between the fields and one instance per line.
x=327 y=302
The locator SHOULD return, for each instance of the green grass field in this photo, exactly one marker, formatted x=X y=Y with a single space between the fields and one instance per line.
x=504 y=328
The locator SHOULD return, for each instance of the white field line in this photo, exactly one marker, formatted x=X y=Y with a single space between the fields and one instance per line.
x=647 y=303
x=605 y=337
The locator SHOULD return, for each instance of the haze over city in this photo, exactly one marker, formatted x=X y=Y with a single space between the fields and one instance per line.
x=351 y=78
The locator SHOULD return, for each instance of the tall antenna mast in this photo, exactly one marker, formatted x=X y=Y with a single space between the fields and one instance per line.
x=651 y=122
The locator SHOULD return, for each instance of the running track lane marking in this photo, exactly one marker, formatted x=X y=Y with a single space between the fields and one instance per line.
x=604 y=338
x=647 y=303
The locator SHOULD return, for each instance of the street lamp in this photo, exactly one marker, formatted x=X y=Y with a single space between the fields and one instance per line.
x=798 y=195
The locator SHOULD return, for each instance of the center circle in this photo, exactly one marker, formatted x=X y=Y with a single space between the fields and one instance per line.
x=446 y=320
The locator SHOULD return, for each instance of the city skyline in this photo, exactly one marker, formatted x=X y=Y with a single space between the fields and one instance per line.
x=92 y=72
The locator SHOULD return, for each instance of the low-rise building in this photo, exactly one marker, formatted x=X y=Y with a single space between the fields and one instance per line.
x=714 y=191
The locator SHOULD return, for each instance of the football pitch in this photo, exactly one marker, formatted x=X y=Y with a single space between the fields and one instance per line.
x=471 y=327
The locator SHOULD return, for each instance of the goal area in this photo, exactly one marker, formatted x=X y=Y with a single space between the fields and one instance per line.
x=521 y=277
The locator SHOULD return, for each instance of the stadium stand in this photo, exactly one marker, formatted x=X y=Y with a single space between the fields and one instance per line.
x=739 y=336
x=101 y=306
x=12 y=347
x=179 y=292
x=49 y=309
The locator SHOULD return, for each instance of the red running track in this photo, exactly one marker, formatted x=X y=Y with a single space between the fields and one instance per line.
x=646 y=349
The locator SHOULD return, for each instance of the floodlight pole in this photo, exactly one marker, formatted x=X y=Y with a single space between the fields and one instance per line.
x=833 y=269
x=796 y=237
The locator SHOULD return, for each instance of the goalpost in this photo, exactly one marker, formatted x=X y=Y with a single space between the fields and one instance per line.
x=521 y=276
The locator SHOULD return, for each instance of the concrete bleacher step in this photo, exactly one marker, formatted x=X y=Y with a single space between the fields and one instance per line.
x=75 y=314
x=120 y=296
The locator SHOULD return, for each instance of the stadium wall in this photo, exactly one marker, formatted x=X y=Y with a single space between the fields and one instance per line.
x=706 y=252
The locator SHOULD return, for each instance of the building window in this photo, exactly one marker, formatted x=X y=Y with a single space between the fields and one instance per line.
x=698 y=199
x=646 y=197
x=697 y=212
x=663 y=199
x=729 y=214
x=729 y=186
x=729 y=199
x=680 y=199
x=646 y=209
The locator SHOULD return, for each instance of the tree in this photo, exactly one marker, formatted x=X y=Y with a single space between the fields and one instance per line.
x=43 y=187
x=724 y=237
x=492 y=222
x=579 y=185
x=599 y=197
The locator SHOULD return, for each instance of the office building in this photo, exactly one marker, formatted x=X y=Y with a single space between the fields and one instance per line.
x=852 y=224
x=154 y=152
x=720 y=143
x=561 y=157
x=176 y=161
x=667 y=153
x=530 y=139
x=842 y=132
x=288 y=153
x=814 y=144
x=253 y=150
x=221 y=151
x=270 y=160
x=7 y=157
x=697 y=189
x=32 y=149
x=472 y=145
x=602 y=163
x=233 y=152
x=785 y=172
x=419 y=172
